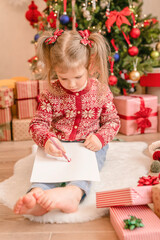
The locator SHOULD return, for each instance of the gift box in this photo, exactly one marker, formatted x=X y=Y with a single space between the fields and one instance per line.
x=20 y=129
x=124 y=197
x=26 y=98
x=6 y=97
x=151 y=79
x=158 y=117
x=156 y=199
x=138 y=113
x=150 y=231
x=5 y=124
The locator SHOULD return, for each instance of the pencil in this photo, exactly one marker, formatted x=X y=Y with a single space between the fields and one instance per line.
x=63 y=153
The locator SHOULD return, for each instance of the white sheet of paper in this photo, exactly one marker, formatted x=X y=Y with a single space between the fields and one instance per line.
x=49 y=169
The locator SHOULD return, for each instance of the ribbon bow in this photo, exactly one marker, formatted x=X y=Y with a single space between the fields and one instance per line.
x=118 y=17
x=142 y=118
x=148 y=181
x=56 y=34
x=85 y=34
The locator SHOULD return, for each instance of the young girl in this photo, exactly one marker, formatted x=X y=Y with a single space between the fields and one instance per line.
x=76 y=107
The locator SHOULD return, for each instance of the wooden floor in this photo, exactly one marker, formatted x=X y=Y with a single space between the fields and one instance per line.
x=14 y=227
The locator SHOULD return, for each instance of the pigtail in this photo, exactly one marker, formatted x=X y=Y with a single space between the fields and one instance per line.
x=99 y=57
x=43 y=53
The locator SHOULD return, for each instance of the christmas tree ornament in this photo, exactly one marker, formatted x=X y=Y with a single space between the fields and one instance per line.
x=158 y=46
x=133 y=50
x=154 y=54
x=32 y=14
x=135 y=75
x=51 y=19
x=116 y=55
x=135 y=32
x=103 y=4
x=64 y=19
x=86 y=13
x=112 y=78
x=36 y=37
x=118 y=17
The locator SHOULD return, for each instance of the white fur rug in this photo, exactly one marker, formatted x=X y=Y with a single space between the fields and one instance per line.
x=125 y=164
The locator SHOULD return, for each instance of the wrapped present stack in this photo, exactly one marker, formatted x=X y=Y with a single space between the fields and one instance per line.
x=138 y=113
x=26 y=103
x=20 y=108
x=6 y=101
x=130 y=214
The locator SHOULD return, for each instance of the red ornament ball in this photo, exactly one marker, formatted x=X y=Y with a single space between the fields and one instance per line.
x=133 y=51
x=112 y=80
x=156 y=155
x=135 y=33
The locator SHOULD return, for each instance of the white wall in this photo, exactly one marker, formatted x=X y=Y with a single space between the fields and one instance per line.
x=16 y=35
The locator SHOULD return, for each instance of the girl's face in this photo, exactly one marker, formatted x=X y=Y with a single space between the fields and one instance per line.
x=74 y=79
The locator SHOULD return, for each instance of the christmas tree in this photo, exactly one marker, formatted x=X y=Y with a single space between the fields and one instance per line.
x=134 y=39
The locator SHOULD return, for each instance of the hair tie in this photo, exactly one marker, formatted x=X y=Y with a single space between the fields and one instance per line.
x=56 y=34
x=85 y=41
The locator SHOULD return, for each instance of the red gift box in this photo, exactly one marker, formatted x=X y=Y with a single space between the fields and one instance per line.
x=151 y=79
x=26 y=96
x=124 y=197
x=6 y=97
x=138 y=113
x=150 y=231
x=5 y=124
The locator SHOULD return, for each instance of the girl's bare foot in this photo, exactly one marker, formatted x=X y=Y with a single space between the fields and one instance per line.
x=28 y=205
x=66 y=199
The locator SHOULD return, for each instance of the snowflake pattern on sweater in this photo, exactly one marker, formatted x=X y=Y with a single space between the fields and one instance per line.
x=71 y=116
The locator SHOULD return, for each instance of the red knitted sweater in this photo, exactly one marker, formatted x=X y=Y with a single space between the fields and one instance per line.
x=72 y=116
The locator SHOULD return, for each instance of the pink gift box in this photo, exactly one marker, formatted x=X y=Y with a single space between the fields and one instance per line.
x=150 y=231
x=26 y=96
x=158 y=117
x=5 y=124
x=138 y=113
x=6 y=97
x=124 y=197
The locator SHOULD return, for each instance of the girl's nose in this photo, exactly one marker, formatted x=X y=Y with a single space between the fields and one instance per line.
x=72 y=84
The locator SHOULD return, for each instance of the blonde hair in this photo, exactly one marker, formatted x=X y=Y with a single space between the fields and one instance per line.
x=67 y=52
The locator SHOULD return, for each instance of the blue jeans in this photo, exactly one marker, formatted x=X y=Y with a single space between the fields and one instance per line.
x=84 y=185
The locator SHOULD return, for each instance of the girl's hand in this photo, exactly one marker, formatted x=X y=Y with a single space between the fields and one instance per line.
x=51 y=149
x=93 y=143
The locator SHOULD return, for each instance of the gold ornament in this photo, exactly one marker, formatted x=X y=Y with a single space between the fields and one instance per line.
x=154 y=54
x=134 y=75
x=158 y=46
